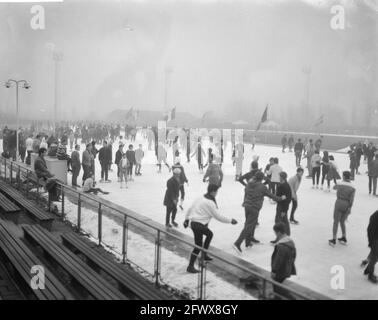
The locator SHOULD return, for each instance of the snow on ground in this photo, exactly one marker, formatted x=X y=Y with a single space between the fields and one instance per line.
x=315 y=257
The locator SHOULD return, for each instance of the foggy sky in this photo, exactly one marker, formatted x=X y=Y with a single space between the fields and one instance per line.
x=222 y=54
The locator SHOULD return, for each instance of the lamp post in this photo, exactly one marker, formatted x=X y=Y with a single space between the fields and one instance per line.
x=8 y=84
x=57 y=57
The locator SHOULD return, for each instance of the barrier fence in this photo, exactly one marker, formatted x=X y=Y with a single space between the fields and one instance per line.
x=147 y=245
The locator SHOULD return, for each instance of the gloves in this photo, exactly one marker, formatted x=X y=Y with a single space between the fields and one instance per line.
x=233 y=221
x=186 y=223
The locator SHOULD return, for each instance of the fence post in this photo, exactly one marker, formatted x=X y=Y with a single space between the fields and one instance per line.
x=18 y=178
x=202 y=277
x=27 y=183
x=11 y=172
x=79 y=213
x=99 y=224
x=157 y=258
x=63 y=196
x=264 y=289
x=124 y=239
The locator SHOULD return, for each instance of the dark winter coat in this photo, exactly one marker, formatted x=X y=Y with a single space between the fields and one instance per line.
x=118 y=156
x=283 y=259
x=372 y=230
x=40 y=168
x=105 y=155
x=254 y=195
x=248 y=176
x=172 y=192
x=284 y=189
x=373 y=169
x=130 y=155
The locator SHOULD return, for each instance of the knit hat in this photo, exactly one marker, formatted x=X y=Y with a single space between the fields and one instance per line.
x=177 y=171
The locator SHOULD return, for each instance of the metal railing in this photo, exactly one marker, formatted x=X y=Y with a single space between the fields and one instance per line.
x=19 y=175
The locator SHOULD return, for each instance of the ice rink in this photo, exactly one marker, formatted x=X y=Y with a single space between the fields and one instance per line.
x=315 y=258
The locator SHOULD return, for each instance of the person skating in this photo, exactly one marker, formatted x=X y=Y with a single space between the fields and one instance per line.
x=199 y=216
x=315 y=165
x=200 y=154
x=86 y=162
x=139 y=155
x=372 y=233
x=274 y=171
x=298 y=150
x=283 y=258
x=352 y=163
x=171 y=198
x=333 y=173
x=325 y=167
x=123 y=166
x=130 y=154
x=343 y=206
x=162 y=157
x=294 y=183
x=249 y=175
x=284 y=191
x=309 y=152
x=183 y=180
x=214 y=173
x=118 y=157
x=373 y=176
x=104 y=156
x=255 y=192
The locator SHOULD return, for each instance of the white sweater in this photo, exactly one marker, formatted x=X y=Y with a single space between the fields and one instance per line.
x=202 y=210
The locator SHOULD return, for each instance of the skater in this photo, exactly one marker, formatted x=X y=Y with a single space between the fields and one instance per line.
x=104 y=156
x=284 y=143
x=372 y=232
x=333 y=173
x=359 y=152
x=283 y=258
x=75 y=163
x=253 y=142
x=123 y=166
x=315 y=165
x=130 y=154
x=139 y=155
x=162 y=157
x=291 y=143
x=89 y=185
x=118 y=157
x=244 y=179
x=171 y=198
x=199 y=216
x=309 y=152
x=352 y=163
x=274 y=171
x=61 y=154
x=214 y=173
x=283 y=190
x=183 y=180
x=255 y=192
x=294 y=183
x=343 y=207
x=373 y=175
x=298 y=150
x=325 y=167
x=29 y=149
x=200 y=154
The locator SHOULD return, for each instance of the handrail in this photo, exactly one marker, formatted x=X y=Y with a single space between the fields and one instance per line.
x=129 y=214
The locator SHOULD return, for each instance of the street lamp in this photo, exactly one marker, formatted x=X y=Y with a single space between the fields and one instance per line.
x=57 y=57
x=25 y=84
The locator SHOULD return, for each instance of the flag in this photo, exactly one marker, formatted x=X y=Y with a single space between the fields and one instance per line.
x=205 y=116
x=319 y=121
x=170 y=115
x=264 y=118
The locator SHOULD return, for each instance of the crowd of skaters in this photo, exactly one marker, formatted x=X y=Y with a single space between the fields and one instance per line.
x=271 y=181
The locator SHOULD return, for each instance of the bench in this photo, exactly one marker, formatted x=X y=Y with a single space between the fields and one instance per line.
x=36 y=213
x=9 y=210
x=80 y=273
x=15 y=252
x=129 y=282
